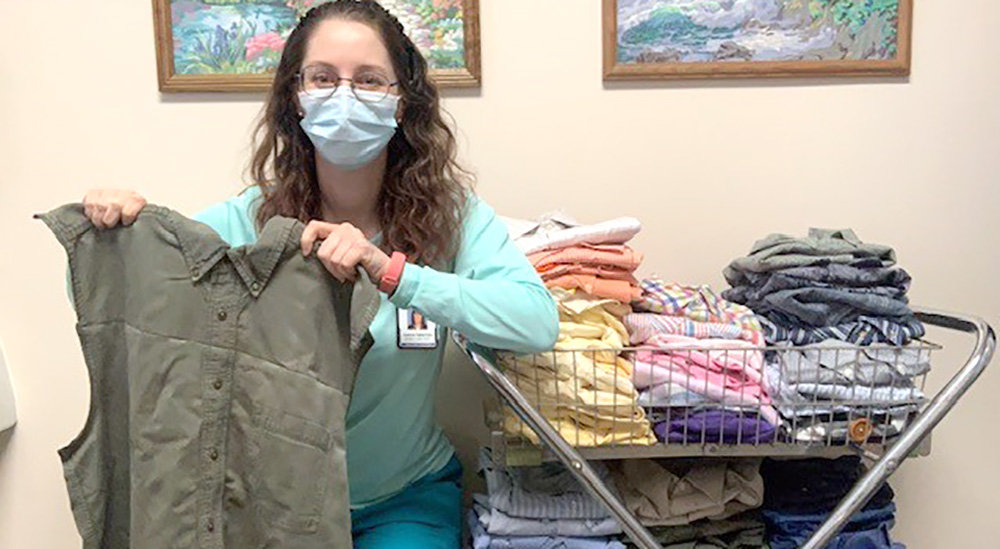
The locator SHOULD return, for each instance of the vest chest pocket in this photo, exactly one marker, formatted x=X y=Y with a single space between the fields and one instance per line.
x=290 y=469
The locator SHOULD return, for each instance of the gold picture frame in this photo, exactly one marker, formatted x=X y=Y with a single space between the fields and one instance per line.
x=225 y=58
x=633 y=53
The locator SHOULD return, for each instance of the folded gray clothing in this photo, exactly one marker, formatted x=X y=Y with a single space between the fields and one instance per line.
x=834 y=362
x=860 y=393
x=791 y=404
x=828 y=306
x=545 y=492
x=497 y=523
x=820 y=247
x=820 y=430
x=830 y=275
x=756 y=298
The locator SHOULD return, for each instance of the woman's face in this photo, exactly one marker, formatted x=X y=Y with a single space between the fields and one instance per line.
x=349 y=49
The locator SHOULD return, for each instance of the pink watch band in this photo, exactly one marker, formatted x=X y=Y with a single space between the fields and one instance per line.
x=390 y=280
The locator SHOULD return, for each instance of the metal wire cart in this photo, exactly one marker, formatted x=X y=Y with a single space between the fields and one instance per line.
x=576 y=406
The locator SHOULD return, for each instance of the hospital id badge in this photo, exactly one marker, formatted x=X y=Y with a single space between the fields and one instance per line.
x=415 y=331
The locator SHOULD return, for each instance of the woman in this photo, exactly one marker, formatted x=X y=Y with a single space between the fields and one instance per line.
x=384 y=185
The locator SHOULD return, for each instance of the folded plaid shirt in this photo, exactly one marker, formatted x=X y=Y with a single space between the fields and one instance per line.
x=698 y=303
x=643 y=326
x=865 y=330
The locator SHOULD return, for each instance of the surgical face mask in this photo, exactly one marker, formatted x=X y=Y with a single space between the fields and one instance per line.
x=348 y=132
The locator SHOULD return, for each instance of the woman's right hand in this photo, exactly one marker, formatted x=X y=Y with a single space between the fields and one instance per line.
x=106 y=208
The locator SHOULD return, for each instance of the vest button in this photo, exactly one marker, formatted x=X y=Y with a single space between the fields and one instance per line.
x=255 y=287
x=222 y=316
x=210 y=526
x=214 y=454
x=217 y=384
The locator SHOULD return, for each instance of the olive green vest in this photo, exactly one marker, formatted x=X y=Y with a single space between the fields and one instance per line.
x=219 y=380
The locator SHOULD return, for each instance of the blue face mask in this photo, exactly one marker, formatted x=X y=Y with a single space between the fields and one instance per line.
x=349 y=133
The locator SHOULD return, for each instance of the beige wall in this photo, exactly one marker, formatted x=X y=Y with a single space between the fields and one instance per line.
x=708 y=167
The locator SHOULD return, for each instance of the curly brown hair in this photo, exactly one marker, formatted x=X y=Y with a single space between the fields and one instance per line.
x=423 y=195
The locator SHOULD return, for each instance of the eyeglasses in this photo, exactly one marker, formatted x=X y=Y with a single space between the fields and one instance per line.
x=322 y=82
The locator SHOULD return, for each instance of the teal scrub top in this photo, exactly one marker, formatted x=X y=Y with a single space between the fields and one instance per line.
x=494 y=298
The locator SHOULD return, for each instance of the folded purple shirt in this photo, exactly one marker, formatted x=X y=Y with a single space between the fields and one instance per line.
x=715 y=426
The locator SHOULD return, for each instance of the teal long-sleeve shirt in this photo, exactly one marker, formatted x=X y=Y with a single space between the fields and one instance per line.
x=494 y=298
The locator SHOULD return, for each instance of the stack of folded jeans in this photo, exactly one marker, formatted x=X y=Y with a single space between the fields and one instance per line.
x=539 y=507
x=827 y=285
x=800 y=495
x=584 y=387
x=700 y=371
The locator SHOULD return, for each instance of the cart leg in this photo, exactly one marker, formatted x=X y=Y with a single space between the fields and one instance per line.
x=939 y=407
x=566 y=453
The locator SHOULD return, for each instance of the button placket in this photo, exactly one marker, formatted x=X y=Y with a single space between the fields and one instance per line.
x=225 y=303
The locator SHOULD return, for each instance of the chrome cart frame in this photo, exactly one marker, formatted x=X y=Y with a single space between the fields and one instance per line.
x=907 y=443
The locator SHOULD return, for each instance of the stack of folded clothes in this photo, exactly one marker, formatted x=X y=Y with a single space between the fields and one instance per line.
x=800 y=495
x=695 y=503
x=745 y=531
x=700 y=371
x=680 y=492
x=592 y=258
x=828 y=285
x=822 y=389
x=836 y=312
x=539 y=507
x=584 y=387
x=604 y=270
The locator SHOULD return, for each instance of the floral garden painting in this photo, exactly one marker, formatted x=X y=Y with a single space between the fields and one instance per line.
x=220 y=45
x=700 y=38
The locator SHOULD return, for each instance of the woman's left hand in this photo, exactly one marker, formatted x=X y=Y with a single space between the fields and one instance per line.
x=343 y=248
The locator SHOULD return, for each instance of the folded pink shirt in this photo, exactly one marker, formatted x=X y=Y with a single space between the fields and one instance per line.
x=619 y=290
x=613 y=255
x=727 y=371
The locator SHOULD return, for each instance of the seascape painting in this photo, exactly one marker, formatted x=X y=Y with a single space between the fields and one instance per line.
x=236 y=44
x=746 y=37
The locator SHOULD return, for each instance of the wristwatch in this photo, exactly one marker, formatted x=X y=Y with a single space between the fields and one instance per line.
x=390 y=280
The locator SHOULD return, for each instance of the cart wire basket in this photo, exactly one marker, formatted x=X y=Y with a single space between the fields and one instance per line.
x=732 y=400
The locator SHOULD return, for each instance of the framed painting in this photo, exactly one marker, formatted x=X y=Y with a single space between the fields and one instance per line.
x=235 y=45
x=663 y=39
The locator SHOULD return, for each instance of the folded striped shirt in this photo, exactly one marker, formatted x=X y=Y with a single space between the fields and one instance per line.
x=865 y=330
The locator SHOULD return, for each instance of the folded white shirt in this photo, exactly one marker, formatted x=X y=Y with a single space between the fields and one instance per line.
x=557 y=230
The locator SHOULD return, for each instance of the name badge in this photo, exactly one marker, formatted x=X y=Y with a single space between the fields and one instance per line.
x=415 y=331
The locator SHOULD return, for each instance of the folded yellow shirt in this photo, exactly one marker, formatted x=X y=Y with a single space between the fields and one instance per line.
x=572 y=369
x=577 y=432
x=583 y=387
